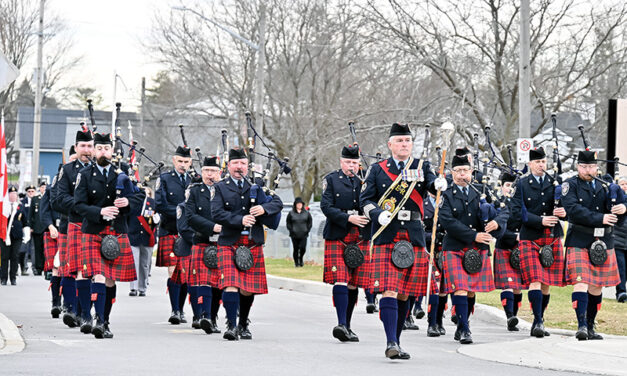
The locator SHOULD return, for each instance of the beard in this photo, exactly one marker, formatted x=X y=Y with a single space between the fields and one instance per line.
x=102 y=161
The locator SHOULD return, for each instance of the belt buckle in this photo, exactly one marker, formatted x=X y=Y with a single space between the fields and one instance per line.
x=404 y=215
x=352 y=212
x=599 y=231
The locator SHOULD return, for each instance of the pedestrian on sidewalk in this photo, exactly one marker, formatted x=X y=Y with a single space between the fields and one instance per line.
x=17 y=230
x=299 y=224
x=620 y=239
x=141 y=235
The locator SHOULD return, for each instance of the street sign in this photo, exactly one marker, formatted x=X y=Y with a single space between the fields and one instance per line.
x=523 y=145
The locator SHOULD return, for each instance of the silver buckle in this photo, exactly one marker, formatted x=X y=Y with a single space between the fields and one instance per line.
x=352 y=212
x=404 y=215
x=599 y=231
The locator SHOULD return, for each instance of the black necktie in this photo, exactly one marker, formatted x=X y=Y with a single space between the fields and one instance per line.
x=465 y=192
x=541 y=180
x=240 y=185
x=401 y=165
x=104 y=173
x=182 y=177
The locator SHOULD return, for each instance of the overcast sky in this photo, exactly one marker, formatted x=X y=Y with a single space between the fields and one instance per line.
x=109 y=33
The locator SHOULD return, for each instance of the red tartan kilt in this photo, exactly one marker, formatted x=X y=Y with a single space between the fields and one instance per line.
x=336 y=271
x=506 y=277
x=456 y=278
x=181 y=270
x=165 y=251
x=254 y=279
x=579 y=269
x=530 y=267
x=51 y=248
x=200 y=274
x=122 y=269
x=70 y=257
x=411 y=281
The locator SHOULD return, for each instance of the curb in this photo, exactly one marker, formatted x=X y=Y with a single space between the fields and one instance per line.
x=299 y=285
x=11 y=337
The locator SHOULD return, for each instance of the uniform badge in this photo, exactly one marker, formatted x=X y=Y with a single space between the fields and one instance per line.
x=363 y=187
x=158 y=184
x=334 y=269
x=389 y=204
x=376 y=283
x=179 y=212
x=78 y=179
x=324 y=185
x=565 y=188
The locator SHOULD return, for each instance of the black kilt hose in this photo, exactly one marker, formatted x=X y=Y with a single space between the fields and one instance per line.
x=254 y=279
x=70 y=256
x=579 y=269
x=457 y=279
x=165 y=251
x=530 y=266
x=51 y=247
x=336 y=271
x=505 y=276
x=411 y=281
x=200 y=274
x=122 y=269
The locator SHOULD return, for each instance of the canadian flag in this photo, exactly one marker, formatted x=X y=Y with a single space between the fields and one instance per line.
x=4 y=203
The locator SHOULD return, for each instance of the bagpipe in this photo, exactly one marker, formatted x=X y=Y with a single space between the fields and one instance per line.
x=363 y=163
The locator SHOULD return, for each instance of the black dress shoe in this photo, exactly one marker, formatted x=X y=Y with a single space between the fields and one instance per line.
x=13 y=282
x=231 y=334
x=132 y=293
x=195 y=323
x=3 y=283
x=592 y=334
x=432 y=331
x=582 y=333
x=621 y=298
x=402 y=354
x=410 y=324
x=244 y=332
x=392 y=350
x=341 y=332
x=458 y=334
x=419 y=312
x=205 y=324
x=465 y=338
x=352 y=337
x=441 y=329
x=98 y=329
x=370 y=307
x=69 y=319
x=142 y=293
x=511 y=324
x=175 y=318
x=55 y=312
x=183 y=319
x=107 y=332
x=86 y=326
x=214 y=327
x=538 y=330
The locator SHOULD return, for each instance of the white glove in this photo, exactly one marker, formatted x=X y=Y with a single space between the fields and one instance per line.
x=156 y=218
x=440 y=184
x=385 y=218
x=26 y=232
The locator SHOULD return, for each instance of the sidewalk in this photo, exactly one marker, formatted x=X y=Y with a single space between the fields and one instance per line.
x=560 y=352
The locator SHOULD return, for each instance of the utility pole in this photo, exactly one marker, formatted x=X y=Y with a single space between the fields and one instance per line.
x=115 y=91
x=141 y=110
x=38 y=96
x=261 y=63
x=524 y=100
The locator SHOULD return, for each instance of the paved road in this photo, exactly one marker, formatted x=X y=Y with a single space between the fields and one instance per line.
x=291 y=330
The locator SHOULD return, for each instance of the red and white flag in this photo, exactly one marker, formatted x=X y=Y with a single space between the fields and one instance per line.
x=130 y=135
x=5 y=206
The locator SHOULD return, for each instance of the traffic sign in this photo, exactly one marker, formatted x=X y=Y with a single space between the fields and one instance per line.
x=523 y=145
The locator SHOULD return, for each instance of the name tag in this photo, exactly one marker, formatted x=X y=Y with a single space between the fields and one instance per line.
x=404 y=215
x=599 y=232
x=213 y=238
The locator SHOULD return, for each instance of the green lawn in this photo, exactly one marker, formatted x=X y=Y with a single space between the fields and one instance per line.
x=285 y=268
x=612 y=318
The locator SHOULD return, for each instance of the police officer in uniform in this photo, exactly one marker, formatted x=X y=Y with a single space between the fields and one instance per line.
x=345 y=225
x=203 y=281
x=593 y=211
x=466 y=234
x=104 y=211
x=50 y=221
x=534 y=204
x=17 y=226
x=169 y=192
x=242 y=226
x=397 y=185
x=38 y=229
x=70 y=255
x=507 y=276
